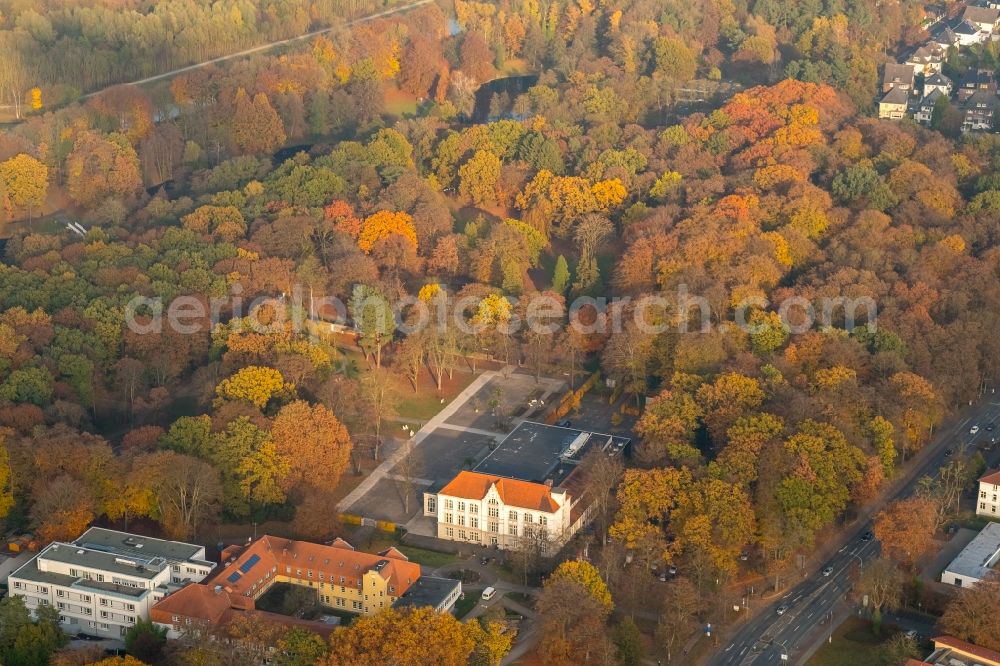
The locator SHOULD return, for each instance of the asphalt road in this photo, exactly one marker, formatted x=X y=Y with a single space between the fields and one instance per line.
x=766 y=637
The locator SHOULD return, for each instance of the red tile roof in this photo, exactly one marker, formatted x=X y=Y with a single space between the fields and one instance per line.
x=242 y=578
x=195 y=601
x=523 y=494
x=992 y=477
x=989 y=657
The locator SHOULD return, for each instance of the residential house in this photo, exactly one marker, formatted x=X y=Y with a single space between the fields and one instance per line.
x=894 y=104
x=980 y=110
x=972 y=82
x=969 y=34
x=938 y=81
x=944 y=38
x=896 y=76
x=105 y=581
x=923 y=111
x=928 y=59
x=344 y=579
x=989 y=495
x=986 y=19
x=976 y=560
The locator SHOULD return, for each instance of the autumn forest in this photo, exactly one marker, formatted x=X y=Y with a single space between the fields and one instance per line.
x=722 y=149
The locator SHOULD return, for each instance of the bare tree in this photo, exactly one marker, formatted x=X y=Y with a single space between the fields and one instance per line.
x=882 y=582
x=601 y=474
x=405 y=475
x=679 y=619
x=381 y=398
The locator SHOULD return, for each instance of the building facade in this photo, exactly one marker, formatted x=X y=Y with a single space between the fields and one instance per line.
x=988 y=503
x=496 y=511
x=105 y=581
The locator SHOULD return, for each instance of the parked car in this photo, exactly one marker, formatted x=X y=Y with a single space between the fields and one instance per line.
x=489 y=593
x=827 y=571
x=565 y=423
x=782 y=609
x=973 y=430
x=948 y=452
x=867 y=536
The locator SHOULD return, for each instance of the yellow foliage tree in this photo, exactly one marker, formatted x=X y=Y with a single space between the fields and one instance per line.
x=384 y=224
x=586 y=574
x=253 y=384
x=24 y=182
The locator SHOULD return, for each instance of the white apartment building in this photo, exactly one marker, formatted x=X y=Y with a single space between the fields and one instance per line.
x=496 y=511
x=106 y=580
x=989 y=495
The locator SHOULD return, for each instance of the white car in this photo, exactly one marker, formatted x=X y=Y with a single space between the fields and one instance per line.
x=489 y=593
x=827 y=571
x=973 y=430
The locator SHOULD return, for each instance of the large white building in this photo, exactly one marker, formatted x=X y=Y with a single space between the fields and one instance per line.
x=528 y=488
x=976 y=560
x=989 y=492
x=104 y=581
x=491 y=510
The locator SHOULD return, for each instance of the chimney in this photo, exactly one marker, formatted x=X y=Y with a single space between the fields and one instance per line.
x=218 y=589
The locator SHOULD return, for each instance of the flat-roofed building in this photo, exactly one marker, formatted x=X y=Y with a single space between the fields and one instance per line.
x=105 y=581
x=976 y=560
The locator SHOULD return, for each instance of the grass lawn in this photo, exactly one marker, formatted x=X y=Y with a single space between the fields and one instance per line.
x=429 y=558
x=853 y=644
x=463 y=606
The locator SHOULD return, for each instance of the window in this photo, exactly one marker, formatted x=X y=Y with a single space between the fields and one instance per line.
x=74 y=573
x=475 y=536
x=392 y=589
x=473 y=508
x=474 y=522
x=341 y=580
x=104 y=602
x=17 y=585
x=982 y=494
x=131 y=607
x=494 y=512
x=494 y=528
x=86 y=598
x=449 y=518
x=461 y=519
x=100 y=578
x=298 y=573
x=104 y=614
x=461 y=506
x=87 y=611
x=60 y=593
x=528 y=518
x=43 y=590
x=61 y=605
x=512 y=515
x=982 y=505
x=461 y=535
x=543 y=520
x=513 y=529
x=449 y=532
x=449 y=504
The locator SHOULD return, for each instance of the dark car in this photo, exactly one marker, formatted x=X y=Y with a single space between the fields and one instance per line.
x=989 y=428
x=867 y=536
x=565 y=424
x=948 y=452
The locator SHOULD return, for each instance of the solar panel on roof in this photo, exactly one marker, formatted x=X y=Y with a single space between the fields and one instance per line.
x=248 y=565
x=233 y=577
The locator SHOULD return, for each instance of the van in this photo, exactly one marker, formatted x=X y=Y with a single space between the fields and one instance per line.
x=489 y=593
